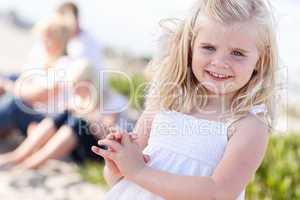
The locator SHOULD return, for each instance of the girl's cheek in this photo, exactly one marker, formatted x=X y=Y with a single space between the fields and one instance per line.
x=242 y=73
x=200 y=61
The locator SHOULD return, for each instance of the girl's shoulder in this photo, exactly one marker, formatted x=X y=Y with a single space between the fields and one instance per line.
x=253 y=122
x=249 y=131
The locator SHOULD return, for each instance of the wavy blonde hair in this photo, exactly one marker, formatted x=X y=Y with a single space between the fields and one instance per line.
x=174 y=87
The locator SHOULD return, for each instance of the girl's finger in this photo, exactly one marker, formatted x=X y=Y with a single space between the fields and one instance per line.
x=110 y=136
x=104 y=147
x=104 y=153
x=126 y=139
x=118 y=135
x=116 y=146
x=117 y=130
x=115 y=136
x=108 y=160
x=133 y=136
x=146 y=158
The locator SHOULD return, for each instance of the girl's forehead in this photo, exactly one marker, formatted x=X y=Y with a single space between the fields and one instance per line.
x=238 y=32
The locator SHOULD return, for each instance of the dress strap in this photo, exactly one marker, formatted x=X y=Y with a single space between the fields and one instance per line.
x=258 y=109
x=229 y=129
x=261 y=108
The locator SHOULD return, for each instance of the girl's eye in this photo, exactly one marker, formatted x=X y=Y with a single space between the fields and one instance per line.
x=237 y=53
x=209 y=48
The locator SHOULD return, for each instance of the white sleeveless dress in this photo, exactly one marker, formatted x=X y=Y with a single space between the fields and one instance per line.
x=179 y=144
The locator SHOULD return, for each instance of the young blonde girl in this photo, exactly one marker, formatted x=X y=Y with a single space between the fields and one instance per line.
x=208 y=110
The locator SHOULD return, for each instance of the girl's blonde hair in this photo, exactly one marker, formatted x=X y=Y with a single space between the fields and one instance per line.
x=174 y=87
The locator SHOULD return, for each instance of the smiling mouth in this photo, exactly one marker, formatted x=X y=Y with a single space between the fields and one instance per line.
x=217 y=76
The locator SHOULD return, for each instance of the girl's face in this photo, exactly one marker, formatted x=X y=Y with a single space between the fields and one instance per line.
x=224 y=56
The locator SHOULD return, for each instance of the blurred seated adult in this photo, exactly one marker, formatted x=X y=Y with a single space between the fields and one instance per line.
x=73 y=132
x=36 y=92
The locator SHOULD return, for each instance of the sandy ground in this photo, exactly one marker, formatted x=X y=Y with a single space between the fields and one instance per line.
x=57 y=180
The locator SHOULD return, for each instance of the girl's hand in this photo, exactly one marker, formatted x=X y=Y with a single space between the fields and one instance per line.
x=110 y=164
x=126 y=155
x=117 y=136
x=112 y=167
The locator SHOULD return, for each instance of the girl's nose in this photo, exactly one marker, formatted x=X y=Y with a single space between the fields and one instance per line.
x=220 y=62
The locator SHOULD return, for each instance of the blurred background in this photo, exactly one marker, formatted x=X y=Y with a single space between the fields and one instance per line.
x=128 y=33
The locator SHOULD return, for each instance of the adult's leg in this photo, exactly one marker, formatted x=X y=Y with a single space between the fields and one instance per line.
x=74 y=136
x=62 y=143
x=38 y=137
x=16 y=114
x=25 y=115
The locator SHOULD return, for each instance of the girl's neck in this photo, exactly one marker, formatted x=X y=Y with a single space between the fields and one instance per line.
x=217 y=106
x=220 y=103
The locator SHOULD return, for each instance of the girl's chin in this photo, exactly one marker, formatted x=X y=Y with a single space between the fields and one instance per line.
x=218 y=91
x=220 y=88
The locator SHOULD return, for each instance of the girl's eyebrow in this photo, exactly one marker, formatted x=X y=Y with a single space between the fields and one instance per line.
x=206 y=44
x=241 y=50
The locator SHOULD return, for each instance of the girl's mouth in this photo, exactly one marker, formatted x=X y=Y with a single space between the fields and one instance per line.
x=218 y=77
